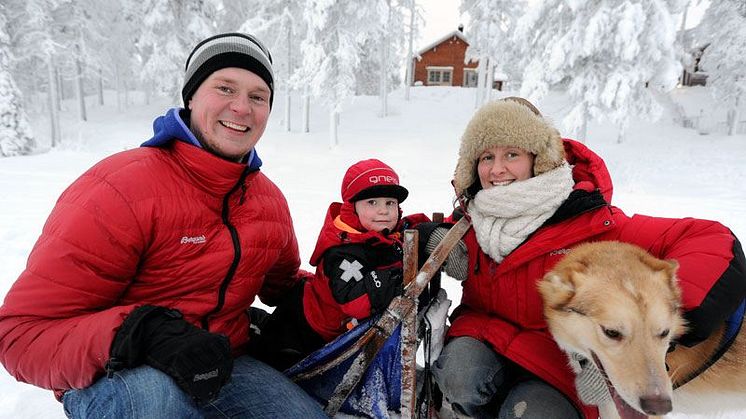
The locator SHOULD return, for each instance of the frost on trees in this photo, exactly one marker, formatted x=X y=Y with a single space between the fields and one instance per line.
x=491 y=42
x=331 y=52
x=610 y=57
x=723 y=28
x=15 y=133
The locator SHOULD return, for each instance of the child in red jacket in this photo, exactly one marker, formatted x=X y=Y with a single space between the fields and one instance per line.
x=358 y=259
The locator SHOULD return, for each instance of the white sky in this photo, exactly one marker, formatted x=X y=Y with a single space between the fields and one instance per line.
x=441 y=17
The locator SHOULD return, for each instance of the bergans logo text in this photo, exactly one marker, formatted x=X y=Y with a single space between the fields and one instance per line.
x=193 y=240
x=381 y=178
x=559 y=252
x=206 y=376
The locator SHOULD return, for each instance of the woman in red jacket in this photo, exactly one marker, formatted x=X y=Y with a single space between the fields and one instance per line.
x=531 y=197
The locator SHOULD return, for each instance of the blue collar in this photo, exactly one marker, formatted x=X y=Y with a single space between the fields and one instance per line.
x=171 y=126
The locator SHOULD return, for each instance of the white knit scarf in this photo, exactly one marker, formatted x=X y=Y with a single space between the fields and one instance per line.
x=503 y=216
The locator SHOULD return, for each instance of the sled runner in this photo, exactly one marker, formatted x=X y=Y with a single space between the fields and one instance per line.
x=370 y=370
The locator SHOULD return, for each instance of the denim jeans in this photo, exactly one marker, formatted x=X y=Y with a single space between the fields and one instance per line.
x=255 y=391
x=481 y=384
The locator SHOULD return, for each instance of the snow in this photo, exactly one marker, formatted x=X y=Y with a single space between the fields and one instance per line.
x=661 y=169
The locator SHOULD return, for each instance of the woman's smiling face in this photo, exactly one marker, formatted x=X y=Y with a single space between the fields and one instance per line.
x=501 y=166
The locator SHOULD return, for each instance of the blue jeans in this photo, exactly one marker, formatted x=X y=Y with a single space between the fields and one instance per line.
x=255 y=391
x=474 y=379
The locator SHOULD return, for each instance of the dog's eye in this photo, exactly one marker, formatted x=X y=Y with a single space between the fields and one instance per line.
x=574 y=310
x=612 y=334
x=664 y=333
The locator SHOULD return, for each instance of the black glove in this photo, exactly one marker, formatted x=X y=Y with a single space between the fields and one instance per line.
x=382 y=286
x=199 y=361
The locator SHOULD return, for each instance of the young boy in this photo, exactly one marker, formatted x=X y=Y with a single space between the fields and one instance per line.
x=358 y=259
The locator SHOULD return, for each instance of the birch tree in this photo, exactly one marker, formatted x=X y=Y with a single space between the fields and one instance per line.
x=280 y=25
x=34 y=32
x=331 y=51
x=415 y=20
x=490 y=34
x=15 y=133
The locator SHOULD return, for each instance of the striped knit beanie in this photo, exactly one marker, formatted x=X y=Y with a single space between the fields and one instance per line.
x=227 y=50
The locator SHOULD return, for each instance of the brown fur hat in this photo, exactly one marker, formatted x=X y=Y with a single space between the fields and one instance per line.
x=512 y=121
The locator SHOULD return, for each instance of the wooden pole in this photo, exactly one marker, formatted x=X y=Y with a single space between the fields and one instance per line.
x=409 y=332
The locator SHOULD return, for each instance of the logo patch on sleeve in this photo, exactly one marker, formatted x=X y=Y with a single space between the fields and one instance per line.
x=351 y=270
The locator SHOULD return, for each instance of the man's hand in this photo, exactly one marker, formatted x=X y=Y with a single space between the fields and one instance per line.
x=200 y=362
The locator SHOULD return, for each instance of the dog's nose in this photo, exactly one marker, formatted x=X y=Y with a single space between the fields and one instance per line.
x=655 y=405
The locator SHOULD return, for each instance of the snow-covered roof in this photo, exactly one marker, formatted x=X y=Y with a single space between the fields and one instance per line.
x=457 y=33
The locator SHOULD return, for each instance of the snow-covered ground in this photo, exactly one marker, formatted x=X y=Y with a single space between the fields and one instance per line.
x=661 y=169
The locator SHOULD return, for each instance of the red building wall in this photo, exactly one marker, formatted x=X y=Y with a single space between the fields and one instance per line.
x=449 y=53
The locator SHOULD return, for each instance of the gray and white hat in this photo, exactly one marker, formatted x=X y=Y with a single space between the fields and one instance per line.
x=227 y=50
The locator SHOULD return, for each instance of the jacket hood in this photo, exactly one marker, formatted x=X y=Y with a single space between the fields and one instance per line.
x=172 y=126
x=589 y=170
x=341 y=226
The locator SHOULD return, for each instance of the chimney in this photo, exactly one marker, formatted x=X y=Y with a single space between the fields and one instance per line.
x=461 y=28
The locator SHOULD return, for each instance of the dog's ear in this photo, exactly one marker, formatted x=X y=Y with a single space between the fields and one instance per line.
x=671 y=266
x=666 y=271
x=557 y=288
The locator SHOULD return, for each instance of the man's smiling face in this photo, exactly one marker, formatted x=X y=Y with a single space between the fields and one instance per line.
x=229 y=112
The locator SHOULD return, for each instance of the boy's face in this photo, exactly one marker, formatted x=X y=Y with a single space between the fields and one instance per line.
x=377 y=214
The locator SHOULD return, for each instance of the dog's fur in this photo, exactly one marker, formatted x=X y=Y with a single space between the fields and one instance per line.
x=617 y=304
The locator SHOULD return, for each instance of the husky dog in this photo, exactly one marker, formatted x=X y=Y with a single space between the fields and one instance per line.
x=618 y=307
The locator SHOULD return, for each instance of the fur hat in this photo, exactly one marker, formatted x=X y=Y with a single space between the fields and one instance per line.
x=510 y=122
x=227 y=50
x=371 y=178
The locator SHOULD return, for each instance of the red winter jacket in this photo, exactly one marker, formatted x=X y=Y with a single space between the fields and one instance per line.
x=349 y=260
x=501 y=305
x=173 y=226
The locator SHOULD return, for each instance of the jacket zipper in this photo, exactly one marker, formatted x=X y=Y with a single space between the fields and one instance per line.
x=225 y=216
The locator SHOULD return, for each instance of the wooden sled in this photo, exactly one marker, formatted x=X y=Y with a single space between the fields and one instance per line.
x=399 y=317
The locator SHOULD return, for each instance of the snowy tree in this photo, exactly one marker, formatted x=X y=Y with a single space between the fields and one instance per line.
x=15 y=133
x=390 y=49
x=34 y=32
x=412 y=31
x=490 y=34
x=119 y=56
x=280 y=25
x=723 y=27
x=609 y=55
x=169 y=30
x=78 y=29
x=331 y=51
x=382 y=70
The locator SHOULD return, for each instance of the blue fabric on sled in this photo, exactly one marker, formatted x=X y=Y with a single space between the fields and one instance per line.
x=379 y=389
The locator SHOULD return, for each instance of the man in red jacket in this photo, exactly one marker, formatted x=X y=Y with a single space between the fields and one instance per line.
x=134 y=299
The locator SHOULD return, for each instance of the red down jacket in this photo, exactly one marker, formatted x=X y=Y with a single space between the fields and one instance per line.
x=145 y=226
x=501 y=306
